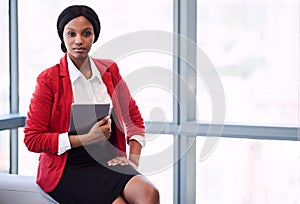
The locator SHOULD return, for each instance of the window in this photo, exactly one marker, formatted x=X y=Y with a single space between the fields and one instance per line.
x=254 y=46
x=4 y=57
x=4 y=88
x=249 y=171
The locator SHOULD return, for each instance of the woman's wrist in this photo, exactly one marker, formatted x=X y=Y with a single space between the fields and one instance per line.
x=134 y=152
x=78 y=140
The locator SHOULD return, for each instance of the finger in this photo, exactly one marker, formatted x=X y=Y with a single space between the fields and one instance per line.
x=118 y=161
x=103 y=121
x=106 y=129
x=114 y=162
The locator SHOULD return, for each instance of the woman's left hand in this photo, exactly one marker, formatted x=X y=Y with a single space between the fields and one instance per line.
x=123 y=161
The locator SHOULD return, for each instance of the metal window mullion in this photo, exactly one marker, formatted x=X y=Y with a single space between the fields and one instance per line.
x=14 y=81
x=176 y=116
x=229 y=130
x=184 y=69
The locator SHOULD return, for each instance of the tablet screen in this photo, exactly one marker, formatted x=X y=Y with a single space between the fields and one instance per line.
x=84 y=116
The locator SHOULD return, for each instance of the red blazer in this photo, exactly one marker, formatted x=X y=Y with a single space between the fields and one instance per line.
x=49 y=115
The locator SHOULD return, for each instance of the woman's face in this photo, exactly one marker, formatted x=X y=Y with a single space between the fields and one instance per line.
x=78 y=36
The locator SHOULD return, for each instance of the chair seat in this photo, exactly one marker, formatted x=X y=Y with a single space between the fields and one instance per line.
x=19 y=189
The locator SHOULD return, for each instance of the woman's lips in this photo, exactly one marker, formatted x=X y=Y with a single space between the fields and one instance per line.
x=79 y=50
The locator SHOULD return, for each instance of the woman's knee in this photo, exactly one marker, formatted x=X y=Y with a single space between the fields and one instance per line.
x=153 y=194
x=140 y=190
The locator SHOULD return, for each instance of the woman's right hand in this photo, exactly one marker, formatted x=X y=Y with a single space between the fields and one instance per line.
x=100 y=131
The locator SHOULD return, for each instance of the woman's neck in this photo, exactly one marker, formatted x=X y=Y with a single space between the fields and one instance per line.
x=85 y=68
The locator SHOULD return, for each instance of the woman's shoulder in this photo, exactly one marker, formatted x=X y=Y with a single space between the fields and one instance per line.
x=105 y=62
x=56 y=70
x=49 y=73
x=50 y=70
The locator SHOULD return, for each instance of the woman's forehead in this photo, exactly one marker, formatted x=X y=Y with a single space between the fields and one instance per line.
x=79 y=23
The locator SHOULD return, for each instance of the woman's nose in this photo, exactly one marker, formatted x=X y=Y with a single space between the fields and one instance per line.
x=79 y=40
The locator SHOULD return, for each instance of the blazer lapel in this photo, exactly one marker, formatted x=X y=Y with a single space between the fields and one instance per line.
x=66 y=83
x=107 y=80
x=106 y=76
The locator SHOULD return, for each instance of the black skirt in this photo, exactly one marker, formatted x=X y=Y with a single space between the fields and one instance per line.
x=88 y=179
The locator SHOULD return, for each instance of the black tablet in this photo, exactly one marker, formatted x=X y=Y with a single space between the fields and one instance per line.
x=84 y=116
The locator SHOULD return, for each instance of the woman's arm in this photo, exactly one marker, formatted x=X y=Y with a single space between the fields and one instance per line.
x=38 y=136
x=131 y=115
x=134 y=152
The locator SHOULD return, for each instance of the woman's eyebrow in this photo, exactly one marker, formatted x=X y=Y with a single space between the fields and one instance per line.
x=87 y=28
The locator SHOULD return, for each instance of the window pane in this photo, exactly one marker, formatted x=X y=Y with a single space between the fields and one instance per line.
x=28 y=161
x=249 y=171
x=4 y=151
x=4 y=86
x=156 y=163
x=254 y=47
x=4 y=58
x=150 y=82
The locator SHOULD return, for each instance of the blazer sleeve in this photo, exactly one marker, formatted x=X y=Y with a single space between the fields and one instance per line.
x=133 y=121
x=38 y=136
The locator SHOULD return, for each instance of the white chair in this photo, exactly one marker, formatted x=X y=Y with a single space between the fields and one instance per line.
x=19 y=189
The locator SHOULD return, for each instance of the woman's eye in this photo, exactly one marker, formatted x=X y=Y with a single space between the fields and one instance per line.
x=72 y=34
x=87 y=33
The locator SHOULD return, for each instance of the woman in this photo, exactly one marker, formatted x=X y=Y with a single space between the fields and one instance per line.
x=67 y=171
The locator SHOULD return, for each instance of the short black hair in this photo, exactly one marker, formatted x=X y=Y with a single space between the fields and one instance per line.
x=72 y=12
